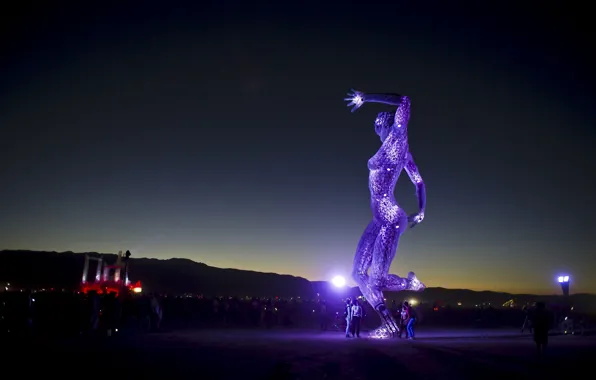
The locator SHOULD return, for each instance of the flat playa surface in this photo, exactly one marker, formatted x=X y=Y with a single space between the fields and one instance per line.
x=304 y=354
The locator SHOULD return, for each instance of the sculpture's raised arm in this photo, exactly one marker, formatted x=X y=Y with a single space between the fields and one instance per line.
x=416 y=179
x=358 y=98
x=391 y=99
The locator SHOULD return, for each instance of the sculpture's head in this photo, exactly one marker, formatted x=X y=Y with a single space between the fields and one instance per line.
x=383 y=124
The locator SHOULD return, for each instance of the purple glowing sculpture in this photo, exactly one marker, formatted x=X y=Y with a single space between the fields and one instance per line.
x=378 y=244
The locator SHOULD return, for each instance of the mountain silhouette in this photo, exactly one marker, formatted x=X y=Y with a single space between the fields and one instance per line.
x=34 y=269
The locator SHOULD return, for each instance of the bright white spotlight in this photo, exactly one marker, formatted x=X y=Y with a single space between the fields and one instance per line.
x=563 y=279
x=338 y=281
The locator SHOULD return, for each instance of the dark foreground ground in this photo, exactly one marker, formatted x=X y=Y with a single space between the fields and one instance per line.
x=280 y=354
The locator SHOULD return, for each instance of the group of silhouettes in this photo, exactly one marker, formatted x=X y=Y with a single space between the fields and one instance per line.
x=354 y=312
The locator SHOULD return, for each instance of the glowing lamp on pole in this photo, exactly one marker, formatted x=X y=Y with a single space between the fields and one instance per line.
x=564 y=282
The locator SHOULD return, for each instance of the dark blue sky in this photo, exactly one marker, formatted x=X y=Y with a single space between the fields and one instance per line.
x=219 y=133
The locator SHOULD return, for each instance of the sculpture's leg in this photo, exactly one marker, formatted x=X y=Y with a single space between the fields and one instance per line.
x=362 y=262
x=394 y=283
x=363 y=257
x=384 y=251
x=377 y=247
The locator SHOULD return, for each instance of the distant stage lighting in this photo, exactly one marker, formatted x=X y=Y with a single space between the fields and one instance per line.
x=338 y=281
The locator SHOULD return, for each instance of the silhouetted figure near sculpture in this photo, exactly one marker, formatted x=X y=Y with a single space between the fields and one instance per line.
x=411 y=320
x=527 y=321
x=541 y=321
x=356 y=318
x=324 y=318
x=378 y=244
x=348 y=316
x=403 y=320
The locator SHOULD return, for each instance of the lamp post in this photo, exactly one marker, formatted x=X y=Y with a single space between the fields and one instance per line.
x=564 y=282
x=126 y=257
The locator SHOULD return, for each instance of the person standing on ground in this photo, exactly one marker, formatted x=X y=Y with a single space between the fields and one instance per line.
x=348 y=315
x=541 y=321
x=412 y=317
x=356 y=318
x=323 y=315
x=403 y=319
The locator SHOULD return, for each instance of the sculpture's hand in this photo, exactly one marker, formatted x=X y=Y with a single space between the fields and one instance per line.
x=355 y=98
x=415 y=219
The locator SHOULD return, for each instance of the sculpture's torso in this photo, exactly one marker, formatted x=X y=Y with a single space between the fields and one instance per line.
x=387 y=164
x=384 y=170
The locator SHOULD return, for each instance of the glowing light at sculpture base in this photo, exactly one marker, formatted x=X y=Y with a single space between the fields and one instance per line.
x=338 y=281
x=381 y=333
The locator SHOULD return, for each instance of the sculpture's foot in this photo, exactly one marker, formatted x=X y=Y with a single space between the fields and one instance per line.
x=414 y=283
x=382 y=332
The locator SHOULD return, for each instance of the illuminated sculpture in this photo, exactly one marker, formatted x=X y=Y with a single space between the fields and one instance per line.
x=378 y=244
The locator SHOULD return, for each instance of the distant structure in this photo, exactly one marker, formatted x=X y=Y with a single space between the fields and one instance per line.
x=110 y=281
x=564 y=282
x=511 y=303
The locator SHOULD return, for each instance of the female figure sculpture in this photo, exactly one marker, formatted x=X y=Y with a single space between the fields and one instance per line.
x=378 y=244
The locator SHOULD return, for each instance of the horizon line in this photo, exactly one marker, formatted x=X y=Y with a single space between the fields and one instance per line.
x=287 y=274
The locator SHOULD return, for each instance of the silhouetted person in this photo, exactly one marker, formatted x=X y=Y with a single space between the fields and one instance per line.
x=348 y=316
x=94 y=311
x=323 y=315
x=226 y=311
x=110 y=312
x=403 y=319
x=527 y=321
x=29 y=309
x=411 y=320
x=268 y=314
x=156 y=313
x=255 y=312
x=541 y=322
x=356 y=318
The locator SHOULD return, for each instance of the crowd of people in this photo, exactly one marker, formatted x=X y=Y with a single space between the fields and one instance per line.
x=73 y=313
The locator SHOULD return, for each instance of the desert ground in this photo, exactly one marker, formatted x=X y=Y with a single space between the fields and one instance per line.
x=303 y=354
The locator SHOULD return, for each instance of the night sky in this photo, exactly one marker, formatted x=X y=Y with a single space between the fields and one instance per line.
x=220 y=134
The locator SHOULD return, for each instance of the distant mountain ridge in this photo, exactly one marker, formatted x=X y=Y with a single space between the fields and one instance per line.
x=41 y=269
